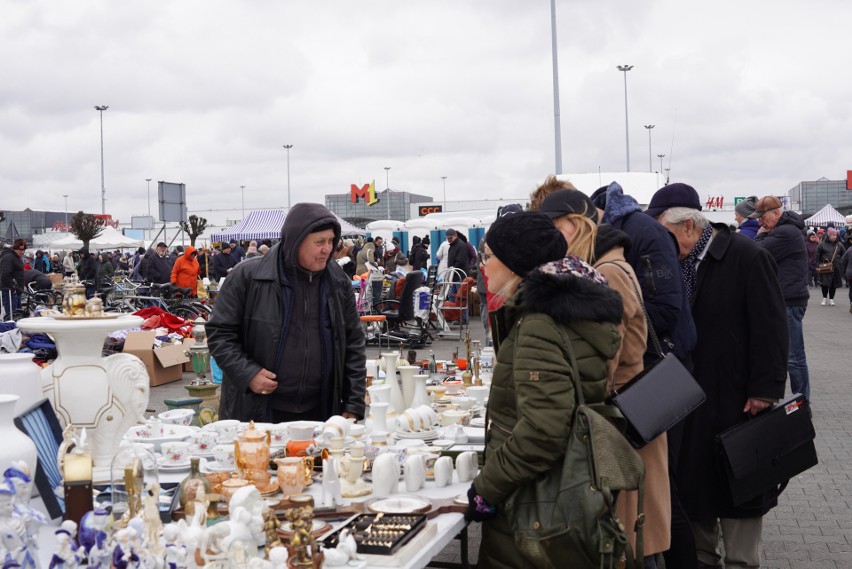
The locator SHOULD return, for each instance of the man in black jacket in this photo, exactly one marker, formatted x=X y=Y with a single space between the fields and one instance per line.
x=285 y=329
x=88 y=271
x=156 y=266
x=782 y=234
x=223 y=262
x=419 y=255
x=12 y=276
x=457 y=256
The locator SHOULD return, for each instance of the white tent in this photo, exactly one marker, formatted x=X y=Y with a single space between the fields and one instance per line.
x=108 y=239
x=825 y=216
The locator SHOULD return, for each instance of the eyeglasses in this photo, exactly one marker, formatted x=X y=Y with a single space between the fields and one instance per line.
x=484 y=257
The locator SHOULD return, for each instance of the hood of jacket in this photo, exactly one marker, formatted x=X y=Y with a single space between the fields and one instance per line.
x=615 y=203
x=608 y=238
x=302 y=220
x=187 y=253
x=792 y=218
x=570 y=291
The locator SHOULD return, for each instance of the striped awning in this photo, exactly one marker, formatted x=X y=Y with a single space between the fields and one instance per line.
x=262 y=224
x=266 y=224
x=825 y=216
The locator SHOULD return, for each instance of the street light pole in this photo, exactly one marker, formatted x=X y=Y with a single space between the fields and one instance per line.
x=101 y=109
x=66 y=210
x=149 y=195
x=445 y=192
x=650 y=166
x=387 y=187
x=667 y=175
x=661 y=156
x=625 y=69
x=243 y=199
x=288 y=147
x=556 y=113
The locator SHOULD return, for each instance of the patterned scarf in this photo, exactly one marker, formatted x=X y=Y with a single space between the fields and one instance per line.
x=573 y=265
x=687 y=266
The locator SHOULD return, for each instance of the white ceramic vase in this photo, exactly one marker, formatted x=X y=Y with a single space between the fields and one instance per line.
x=16 y=445
x=421 y=396
x=380 y=393
x=385 y=475
x=20 y=376
x=379 y=412
x=397 y=402
x=406 y=378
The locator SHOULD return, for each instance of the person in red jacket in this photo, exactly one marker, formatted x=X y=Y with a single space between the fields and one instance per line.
x=186 y=270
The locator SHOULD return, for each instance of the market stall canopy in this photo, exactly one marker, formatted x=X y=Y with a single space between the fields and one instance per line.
x=109 y=239
x=266 y=224
x=825 y=216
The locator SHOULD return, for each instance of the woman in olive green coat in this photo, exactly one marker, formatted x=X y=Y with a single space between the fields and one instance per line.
x=553 y=300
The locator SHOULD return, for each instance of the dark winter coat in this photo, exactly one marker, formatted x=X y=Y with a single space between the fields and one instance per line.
x=11 y=270
x=457 y=256
x=156 y=269
x=824 y=254
x=846 y=264
x=89 y=268
x=748 y=228
x=739 y=312
x=811 y=247
x=654 y=259
x=786 y=244
x=251 y=321
x=419 y=257
x=220 y=265
x=532 y=400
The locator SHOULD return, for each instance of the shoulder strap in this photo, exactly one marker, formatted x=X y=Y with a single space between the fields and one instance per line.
x=651 y=332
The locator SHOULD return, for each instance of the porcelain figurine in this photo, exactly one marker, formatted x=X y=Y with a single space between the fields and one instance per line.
x=414 y=473
x=65 y=556
x=330 y=484
x=385 y=475
x=443 y=471
x=467 y=465
x=94 y=308
x=153 y=526
x=242 y=531
x=351 y=484
x=249 y=499
x=175 y=552
x=94 y=537
x=278 y=557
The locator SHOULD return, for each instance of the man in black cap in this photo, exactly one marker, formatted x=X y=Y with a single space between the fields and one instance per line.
x=156 y=266
x=12 y=277
x=740 y=363
x=223 y=262
x=457 y=257
x=237 y=251
x=88 y=271
x=285 y=329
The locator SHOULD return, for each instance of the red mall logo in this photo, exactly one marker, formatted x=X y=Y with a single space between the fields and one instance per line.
x=104 y=220
x=367 y=193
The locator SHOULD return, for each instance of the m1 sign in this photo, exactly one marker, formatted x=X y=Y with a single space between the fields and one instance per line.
x=367 y=193
x=427 y=209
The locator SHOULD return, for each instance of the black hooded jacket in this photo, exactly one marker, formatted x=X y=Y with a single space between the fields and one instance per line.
x=786 y=244
x=11 y=270
x=255 y=319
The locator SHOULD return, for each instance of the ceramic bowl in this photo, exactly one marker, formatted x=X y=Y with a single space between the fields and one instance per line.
x=177 y=417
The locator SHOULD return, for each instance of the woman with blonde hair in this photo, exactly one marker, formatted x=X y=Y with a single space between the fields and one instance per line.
x=576 y=217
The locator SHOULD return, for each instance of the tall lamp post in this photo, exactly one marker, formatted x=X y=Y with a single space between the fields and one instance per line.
x=625 y=69
x=66 y=210
x=387 y=187
x=556 y=114
x=288 y=147
x=661 y=156
x=243 y=199
x=650 y=166
x=445 y=192
x=149 y=195
x=101 y=109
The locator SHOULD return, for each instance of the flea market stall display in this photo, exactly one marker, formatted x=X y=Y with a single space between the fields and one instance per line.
x=386 y=491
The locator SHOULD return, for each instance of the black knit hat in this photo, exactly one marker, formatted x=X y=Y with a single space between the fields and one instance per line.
x=673 y=195
x=523 y=241
x=563 y=202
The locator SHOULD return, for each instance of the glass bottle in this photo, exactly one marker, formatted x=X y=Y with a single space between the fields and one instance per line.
x=433 y=363
x=188 y=489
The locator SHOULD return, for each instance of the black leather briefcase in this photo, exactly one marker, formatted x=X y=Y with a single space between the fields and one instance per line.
x=762 y=453
x=656 y=400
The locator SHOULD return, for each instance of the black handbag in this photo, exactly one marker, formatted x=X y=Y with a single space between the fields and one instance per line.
x=659 y=397
x=763 y=452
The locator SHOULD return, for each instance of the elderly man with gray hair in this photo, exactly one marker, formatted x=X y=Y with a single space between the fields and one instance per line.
x=740 y=362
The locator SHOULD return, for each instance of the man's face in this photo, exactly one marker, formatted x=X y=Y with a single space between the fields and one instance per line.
x=770 y=219
x=379 y=242
x=315 y=250
x=685 y=232
x=161 y=251
x=451 y=239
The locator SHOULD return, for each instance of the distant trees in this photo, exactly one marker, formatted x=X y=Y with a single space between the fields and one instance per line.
x=194 y=228
x=85 y=227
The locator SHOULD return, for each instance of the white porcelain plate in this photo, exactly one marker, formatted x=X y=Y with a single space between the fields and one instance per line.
x=400 y=505
x=172 y=466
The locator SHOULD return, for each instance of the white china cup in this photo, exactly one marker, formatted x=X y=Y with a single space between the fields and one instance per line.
x=204 y=441
x=463 y=402
x=175 y=452
x=224 y=455
x=226 y=429
x=478 y=392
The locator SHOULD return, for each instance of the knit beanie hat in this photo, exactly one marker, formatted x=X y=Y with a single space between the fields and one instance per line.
x=746 y=207
x=523 y=241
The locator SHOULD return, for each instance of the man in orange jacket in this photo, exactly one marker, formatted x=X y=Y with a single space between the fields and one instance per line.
x=186 y=270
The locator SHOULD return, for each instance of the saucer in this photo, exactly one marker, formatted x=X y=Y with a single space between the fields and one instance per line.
x=270 y=489
x=214 y=466
x=182 y=465
x=195 y=451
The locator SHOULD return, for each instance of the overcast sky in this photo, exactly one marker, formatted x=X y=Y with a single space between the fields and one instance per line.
x=747 y=97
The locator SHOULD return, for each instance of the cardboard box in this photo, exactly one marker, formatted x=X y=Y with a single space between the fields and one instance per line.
x=164 y=364
x=187 y=367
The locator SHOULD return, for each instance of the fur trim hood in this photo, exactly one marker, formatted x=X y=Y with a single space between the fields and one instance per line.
x=618 y=204
x=570 y=290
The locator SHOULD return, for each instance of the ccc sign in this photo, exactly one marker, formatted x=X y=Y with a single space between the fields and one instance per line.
x=427 y=209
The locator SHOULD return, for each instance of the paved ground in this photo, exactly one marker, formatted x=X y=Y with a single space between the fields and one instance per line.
x=812 y=525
